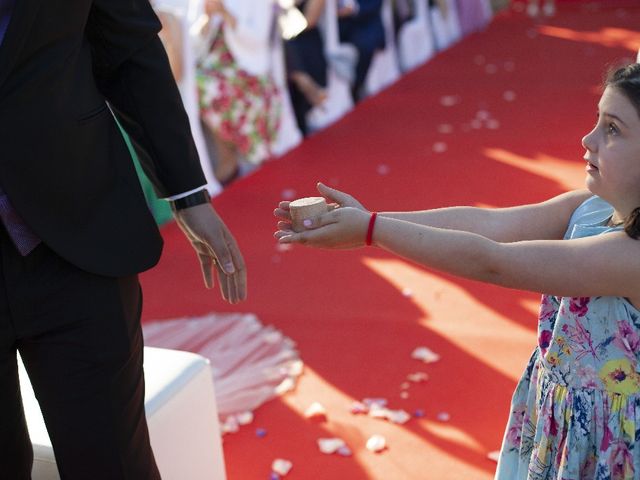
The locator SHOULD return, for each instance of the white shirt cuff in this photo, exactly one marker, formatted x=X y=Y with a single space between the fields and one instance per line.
x=185 y=194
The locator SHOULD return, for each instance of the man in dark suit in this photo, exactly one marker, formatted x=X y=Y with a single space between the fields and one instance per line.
x=76 y=229
x=360 y=24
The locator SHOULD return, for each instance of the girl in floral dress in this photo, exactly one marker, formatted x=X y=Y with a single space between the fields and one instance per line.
x=239 y=100
x=575 y=413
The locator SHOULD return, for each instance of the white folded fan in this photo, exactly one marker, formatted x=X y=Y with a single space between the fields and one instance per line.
x=181 y=412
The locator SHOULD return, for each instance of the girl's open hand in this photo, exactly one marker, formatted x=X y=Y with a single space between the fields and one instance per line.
x=341 y=228
x=336 y=199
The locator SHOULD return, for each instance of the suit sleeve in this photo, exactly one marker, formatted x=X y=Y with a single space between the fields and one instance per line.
x=132 y=72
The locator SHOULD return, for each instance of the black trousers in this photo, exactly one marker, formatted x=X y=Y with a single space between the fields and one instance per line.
x=80 y=340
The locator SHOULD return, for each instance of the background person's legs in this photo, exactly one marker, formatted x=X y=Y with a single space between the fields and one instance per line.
x=365 y=57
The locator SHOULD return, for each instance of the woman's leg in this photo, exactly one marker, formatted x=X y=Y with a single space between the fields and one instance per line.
x=313 y=92
x=226 y=167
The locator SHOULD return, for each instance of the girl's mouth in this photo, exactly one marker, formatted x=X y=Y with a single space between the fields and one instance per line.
x=591 y=167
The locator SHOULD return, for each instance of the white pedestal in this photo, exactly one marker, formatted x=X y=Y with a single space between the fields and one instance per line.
x=181 y=412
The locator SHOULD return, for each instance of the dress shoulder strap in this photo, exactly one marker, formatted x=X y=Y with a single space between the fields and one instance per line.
x=589 y=218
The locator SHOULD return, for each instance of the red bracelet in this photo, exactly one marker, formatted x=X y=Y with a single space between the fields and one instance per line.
x=372 y=222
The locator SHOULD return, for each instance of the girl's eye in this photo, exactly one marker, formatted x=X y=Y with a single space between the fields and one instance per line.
x=612 y=129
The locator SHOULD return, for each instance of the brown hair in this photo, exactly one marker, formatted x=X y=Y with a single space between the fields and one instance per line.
x=627 y=81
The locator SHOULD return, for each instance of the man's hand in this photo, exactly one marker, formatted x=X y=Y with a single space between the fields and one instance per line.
x=216 y=248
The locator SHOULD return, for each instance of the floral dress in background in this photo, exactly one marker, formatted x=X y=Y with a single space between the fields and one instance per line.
x=243 y=108
x=575 y=414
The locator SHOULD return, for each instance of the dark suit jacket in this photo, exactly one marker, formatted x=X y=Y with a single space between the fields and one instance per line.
x=63 y=162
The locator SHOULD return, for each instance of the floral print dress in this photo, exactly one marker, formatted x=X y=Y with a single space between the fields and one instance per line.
x=242 y=108
x=575 y=414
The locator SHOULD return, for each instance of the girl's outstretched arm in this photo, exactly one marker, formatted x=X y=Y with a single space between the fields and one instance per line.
x=540 y=221
x=603 y=265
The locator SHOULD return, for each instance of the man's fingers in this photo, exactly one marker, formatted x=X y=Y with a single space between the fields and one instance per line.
x=232 y=283
x=222 y=281
x=220 y=249
x=206 y=265
x=240 y=276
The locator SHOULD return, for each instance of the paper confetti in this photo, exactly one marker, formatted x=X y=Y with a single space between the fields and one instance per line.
x=344 y=451
x=281 y=466
x=288 y=194
x=375 y=402
x=376 y=443
x=445 y=128
x=329 y=446
x=383 y=169
x=283 y=247
x=509 y=95
x=444 y=417
x=244 y=418
x=407 y=292
x=230 y=425
x=440 y=147
x=316 y=410
x=449 y=100
x=426 y=355
x=358 y=408
x=418 y=377
x=394 y=416
x=287 y=385
x=490 y=69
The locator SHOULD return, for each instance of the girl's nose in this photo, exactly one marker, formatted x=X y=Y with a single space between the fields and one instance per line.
x=589 y=141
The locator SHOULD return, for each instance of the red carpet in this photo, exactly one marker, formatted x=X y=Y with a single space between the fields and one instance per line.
x=524 y=94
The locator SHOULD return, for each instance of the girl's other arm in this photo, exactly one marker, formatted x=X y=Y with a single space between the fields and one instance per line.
x=604 y=265
x=541 y=221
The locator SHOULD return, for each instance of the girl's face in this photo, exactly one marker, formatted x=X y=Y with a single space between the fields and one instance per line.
x=613 y=152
